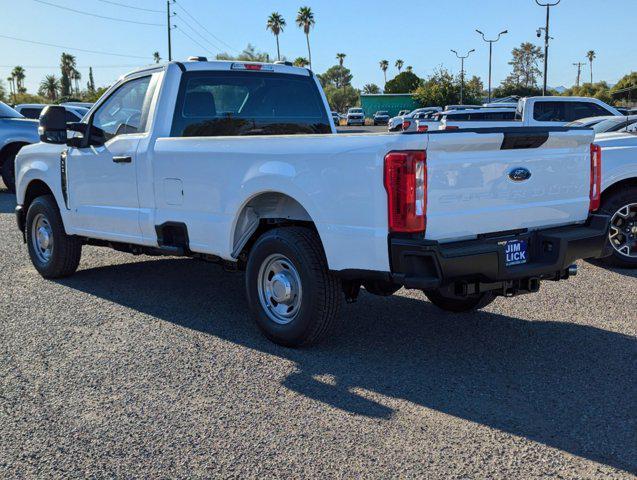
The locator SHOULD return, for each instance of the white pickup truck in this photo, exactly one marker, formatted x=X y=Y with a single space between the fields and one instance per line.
x=240 y=163
x=530 y=112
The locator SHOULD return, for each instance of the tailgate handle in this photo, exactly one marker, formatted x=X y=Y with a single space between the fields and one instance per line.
x=125 y=159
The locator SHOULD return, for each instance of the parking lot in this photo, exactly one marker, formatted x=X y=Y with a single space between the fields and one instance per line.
x=152 y=367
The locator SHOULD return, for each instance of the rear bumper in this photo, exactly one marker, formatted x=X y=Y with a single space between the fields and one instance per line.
x=479 y=265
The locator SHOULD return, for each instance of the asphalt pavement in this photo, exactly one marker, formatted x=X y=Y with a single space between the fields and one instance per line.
x=140 y=367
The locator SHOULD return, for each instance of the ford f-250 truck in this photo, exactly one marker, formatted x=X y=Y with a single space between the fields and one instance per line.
x=239 y=163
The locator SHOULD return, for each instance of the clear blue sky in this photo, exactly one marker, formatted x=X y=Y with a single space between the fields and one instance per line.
x=419 y=32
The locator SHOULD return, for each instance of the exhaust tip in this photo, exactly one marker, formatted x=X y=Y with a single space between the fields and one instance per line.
x=572 y=270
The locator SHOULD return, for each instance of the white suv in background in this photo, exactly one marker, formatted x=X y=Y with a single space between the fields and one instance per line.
x=33 y=110
x=355 y=116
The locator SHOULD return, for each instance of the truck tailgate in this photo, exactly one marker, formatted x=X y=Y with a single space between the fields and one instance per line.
x=485 y=182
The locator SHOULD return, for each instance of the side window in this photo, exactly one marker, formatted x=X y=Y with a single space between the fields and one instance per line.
x=125 y=111
x=31 y=112
x=550 y=112
x=585 y=109
x=235 y=103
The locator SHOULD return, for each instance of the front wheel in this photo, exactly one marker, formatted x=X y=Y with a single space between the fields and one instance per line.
x=53 y=253
x=293 y=297
x=622 y=234
x=8 y=171
x=459 y=304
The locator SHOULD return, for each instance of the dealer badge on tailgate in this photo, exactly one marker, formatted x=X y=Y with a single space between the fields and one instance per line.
x=515 y=252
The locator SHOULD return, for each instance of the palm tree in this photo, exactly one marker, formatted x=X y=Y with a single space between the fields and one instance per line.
x=49 y=87
x=301 y=62
x=76 y=76
x=156 y=57
x=591 y=56
x=275 y=24
x=409 y=68
x=384 y=65
x=18 y=74
x=341 y=58
x=11 y=80
x=371 y=88
x=399 y=64
x=67 y=65
x=305 y=20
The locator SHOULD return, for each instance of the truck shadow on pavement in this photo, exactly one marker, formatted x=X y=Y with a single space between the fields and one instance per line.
x=569 y=386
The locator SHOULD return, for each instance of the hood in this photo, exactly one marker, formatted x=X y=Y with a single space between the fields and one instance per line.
x=19 y=129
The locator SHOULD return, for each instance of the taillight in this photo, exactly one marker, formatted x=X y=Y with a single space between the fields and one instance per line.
x=406 y=124
x=596 y=177
x=452 y=127
x=406 y=185
x=423 y=128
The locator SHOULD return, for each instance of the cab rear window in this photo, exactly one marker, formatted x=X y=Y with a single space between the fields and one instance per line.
x=213 y=104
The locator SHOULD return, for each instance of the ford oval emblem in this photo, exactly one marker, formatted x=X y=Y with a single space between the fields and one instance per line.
x=519 y=174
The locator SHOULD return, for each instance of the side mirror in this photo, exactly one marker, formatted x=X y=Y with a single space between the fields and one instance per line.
x=52 y=127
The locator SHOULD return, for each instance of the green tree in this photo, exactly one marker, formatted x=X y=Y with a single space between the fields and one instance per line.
x=336 y=76
x=249 y=54
x=591 y=56
x=599 y=90
x=384 y=65
x=525 y=71
x=343 y=98
x=508 y=88
x=19 y=75
x=90 y=85
x=275 y=24
x=50 y=87
x=406 y=82
x=440 y=89
x=399 y=64
x=474 y=91
x=341 y=58
x=409 y=68
x=68 y=65
x=371 y=89
x=156 y=57
x=95 y=95
x=305 y=20
x=301 y=62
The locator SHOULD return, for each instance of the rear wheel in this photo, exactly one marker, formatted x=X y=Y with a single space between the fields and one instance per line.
x=459 y=304
x=293 y=297
x=8 y=171
x=53 y=253
x=622 y=233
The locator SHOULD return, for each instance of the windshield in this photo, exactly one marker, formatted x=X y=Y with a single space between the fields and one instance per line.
x=355 y=110
x=382 y=113
x=7 y=112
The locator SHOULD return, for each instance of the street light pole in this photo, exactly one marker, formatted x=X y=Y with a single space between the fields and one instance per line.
x=491 y=42
x=462 y=71
x=546 y=38
x=170 y=51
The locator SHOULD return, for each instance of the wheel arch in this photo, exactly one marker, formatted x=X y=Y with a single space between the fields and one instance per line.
x=9 y=148
x=617 y=186
x=263 y=211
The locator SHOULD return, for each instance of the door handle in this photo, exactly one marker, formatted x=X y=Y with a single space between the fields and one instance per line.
x=124 y=159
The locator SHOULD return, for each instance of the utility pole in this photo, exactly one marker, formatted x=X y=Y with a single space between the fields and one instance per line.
x=491 y=42
x=579 y=70
x=170 y=51
x=546 y=38
x=462 y=71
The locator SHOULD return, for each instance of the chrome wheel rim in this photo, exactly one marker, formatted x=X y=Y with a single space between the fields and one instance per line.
x=279 y=286
x=42 y=238
x=623 y=230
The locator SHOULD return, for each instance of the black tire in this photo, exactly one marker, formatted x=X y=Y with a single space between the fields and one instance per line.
x=610 y=206
x=8 y=170
x=321 y=297
x=459 y=304
x=66 y=251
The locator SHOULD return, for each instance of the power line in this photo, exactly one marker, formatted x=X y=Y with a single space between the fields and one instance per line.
x=73 y=48
x=183 y=21
x=98 y=16
x=195 y=41
x=130 y=6
x=205 y=29
x=57 y=66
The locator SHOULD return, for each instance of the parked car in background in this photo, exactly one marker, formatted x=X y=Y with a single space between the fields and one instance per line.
x=500 y=105
x=461 y=107
x=589 y=121
x=336 y=117
x=616 y=124
x=558 y=111
x=395 y=124
x=381 y=117
x=16 y=131
x=619 y=193
x=403 y=112
x=309 y=215
x=355 y=116
x=478 y=118
x=33 y=110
